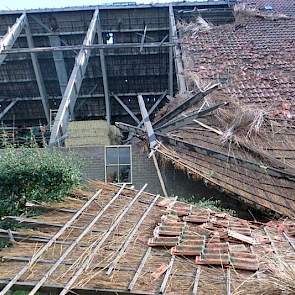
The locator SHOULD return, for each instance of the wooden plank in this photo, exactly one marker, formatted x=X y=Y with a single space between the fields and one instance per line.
x=228 y=285
x=139 y=269
x=274 y=248
x=8 y=108
x=196 y=282
x=47 y=245
x=242 y=237
x=166 y=277
x=142 y=39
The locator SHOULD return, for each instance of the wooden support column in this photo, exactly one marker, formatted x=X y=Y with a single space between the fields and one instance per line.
x=59 y=63
x=38 y=74
x=177 y=53
x=152 y=140
x=104 y=73
x=170 y=74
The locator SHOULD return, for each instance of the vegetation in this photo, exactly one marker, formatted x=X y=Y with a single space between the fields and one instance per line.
x=31 y=174
x=214 y=205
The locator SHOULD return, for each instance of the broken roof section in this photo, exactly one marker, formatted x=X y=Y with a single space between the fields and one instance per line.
x=114 y=240
x=239 y=138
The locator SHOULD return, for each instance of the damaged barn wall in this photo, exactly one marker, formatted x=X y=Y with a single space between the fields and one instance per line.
x=177 y=182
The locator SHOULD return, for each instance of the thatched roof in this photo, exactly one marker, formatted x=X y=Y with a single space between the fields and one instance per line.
x=144 y=244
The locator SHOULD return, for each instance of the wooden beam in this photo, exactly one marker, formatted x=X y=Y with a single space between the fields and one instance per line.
x=183 y=106
x=228 y=282
x=187 y=119
x=8 y=40
x=152 y=109
x=83 y=96
x=125 y=107
x=152 y=140
x=147 y=123
x=7 y=109
x=196 y=282
x=67 y=105
x=43 y=249
x=142 y=39
x=167 y=275
x=289 y=240
x=171 y=63
x=162 y=183
x=104 y=73
x=86 y=47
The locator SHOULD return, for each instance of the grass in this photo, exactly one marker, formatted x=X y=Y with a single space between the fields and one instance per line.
x=214 y=205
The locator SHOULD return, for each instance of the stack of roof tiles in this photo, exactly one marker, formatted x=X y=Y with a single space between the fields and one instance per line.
x=212 y=238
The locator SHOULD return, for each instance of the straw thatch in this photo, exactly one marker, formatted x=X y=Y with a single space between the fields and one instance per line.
x=268 y=249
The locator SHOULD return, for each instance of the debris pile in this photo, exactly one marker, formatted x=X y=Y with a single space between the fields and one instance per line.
x=214 y=238
x=243 y=11
x=240 y=137
x=117 y=254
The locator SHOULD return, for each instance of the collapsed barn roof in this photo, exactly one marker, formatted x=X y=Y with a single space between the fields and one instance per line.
x=234 y=125
x=107 y=239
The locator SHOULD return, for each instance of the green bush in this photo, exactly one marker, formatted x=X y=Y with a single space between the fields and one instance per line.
x=214 y=205
x=31 y=174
